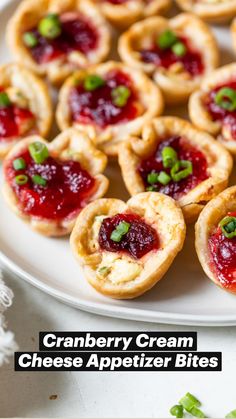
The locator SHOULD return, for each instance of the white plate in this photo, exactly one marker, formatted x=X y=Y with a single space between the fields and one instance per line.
x=184 y=296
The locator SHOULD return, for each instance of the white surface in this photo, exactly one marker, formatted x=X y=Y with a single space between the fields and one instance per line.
x=185 y=296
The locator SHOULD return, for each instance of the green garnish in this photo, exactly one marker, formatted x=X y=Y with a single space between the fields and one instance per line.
x=226 y=98
x=189 y=401
x=151 y=188
x=120 y=95
x=197 y=413
x=166 y=39
x=21 y=179
x=179 y=49
x=177 y=411
x=50 y=26
x=30 y=40
x=181 y=170
x=93 y=82
x=169 y=157
x=120 y=231
x=19 y=164
x=228 y=226
x=4 y=100
x=152 y=178
x=38 y=152
x=104 y=270
x=161 y=177
x=39 y=180
x=231 y=414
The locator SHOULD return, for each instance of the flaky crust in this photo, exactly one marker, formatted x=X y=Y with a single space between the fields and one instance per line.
x=212 y=214
x=36 y=94
x=210 y=10
x=109 y=139
x=133 y=151
x=124 y=15
x=71 y=144
x=175 y=82
x=28 y=14
x=198 y=113
x=233 y=33
x=162 y=212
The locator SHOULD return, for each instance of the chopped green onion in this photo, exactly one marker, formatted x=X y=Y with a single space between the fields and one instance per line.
x=19 y=164
x=197 y=413
x=179 y=49
x=228 y=226
x=38 y=152
x=4 y=100
x=39 y=180
x=177 y=411
x=189 y=401
x=226 y=98
x=166 y=39
x=93 y=82
x=164 y=178
x=30 y=40
x=169 y=156
x=104 y=269
x=21 y=179
x=50 y=26
x=120 y=231
x=231 y=414
x=151 y=188
x=152 y=178
x=177 y=174
x=120 y=95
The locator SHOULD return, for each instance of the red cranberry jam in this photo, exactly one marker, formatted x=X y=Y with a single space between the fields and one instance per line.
x=190 y=59
x=140 y=238
x=66 y=189
x=76 y=34
x=98 y=106
x=185 y=152
x=218 y=111
x=223 y=255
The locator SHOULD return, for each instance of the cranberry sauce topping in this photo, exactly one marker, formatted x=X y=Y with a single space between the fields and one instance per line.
x=191 y=60
x=12 y=118
x=140 y=239
x=65 y=193
x=98 y=107
x=185 y=151
x=218 y=113
x=223 y=255
x=77 y=34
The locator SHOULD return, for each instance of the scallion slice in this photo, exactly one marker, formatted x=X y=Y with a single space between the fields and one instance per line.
x=181 y=170
x=231 y=414
x=19 y=164
x=93 y=82
x=30 y=40
x=197 y=413
x=166 y=39
x=38 y=152
x=189 y=401
x=39 y=180
x=169 y=157
x=164 y=178
x=21 y=179
x=4 y=100
x=179 y=49
x=228 y=226
x=152 y=178
x=177 y=411
x=50 y=26
x=120 y=95
x=226 y=98
x=120 y=231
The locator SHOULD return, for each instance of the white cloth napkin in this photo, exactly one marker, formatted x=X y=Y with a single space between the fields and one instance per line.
x=7 y=341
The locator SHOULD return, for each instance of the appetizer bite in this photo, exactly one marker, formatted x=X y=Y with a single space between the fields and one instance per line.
x=213 y=107
x=108 y=102
x=216 y=239
x=174 y=158
x=55 y=37
x=177 y=53
x=25 y=106
x=126 y=248
x=123 y=13
x=210 y=10
x=48 y=184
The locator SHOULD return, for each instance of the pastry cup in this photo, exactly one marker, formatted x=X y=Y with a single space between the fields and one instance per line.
x=17 y=80
x=124 y=15
x=161 y=212
x=212 y=11
x=198 y=113
x=233 y=33
x=212 y=214
x=28 y=14
x=219 y=161
x=110 y=138
x=175 y=83
x=71 y=144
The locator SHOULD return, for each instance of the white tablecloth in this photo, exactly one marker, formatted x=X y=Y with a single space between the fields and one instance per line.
x=103 y=395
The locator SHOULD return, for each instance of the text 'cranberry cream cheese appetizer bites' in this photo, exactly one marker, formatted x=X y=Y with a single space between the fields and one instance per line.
x=25 y=106
x=216 y=239
x=177 y=53
x=54 y=37
x=210 y=10
x=47 y=184
x=123 y=13
x=109 y=102
x=126 y=248
x=175 y=158
x=213 y=107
